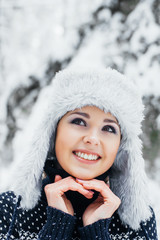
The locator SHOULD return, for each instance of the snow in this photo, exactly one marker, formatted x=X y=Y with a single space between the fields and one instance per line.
x=35 y=32
x=89 y=52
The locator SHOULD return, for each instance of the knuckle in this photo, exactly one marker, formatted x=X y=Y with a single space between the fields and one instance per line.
x=70 y=177
x=118 y=202
x=69 y=180
x=47 y=188
x=103 y=184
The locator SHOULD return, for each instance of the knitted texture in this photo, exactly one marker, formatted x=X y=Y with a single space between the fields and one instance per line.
x=97 y=230
x=59 y=225
x=47 y=223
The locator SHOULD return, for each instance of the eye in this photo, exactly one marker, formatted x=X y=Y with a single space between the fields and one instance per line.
x=109 y=128
x=78 y=121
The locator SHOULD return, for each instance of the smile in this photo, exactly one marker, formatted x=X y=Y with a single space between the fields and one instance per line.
x=91 y=157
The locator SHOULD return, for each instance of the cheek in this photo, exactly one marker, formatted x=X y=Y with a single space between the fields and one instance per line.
x=111 y=147
x=64 y=141
x=60 y=140
x=60 y=144
x=61 y=150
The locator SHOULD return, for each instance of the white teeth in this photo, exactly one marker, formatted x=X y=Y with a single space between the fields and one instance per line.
x=78 y=154
x=86 y=156
x=90 y=157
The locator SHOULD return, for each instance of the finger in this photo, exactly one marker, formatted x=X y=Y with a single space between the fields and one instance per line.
x=57 y=178
x=71 y=184
x=99 y=186
x=66 y=184
x=99 y=199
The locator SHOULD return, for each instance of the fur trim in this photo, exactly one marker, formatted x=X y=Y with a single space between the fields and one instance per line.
x=112 y=92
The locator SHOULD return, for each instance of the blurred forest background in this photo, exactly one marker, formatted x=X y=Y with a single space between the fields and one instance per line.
x=39 y=38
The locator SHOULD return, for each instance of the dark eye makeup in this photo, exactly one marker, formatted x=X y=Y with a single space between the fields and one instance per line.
x=109 y=128
x=78 y=121
x=81 y=122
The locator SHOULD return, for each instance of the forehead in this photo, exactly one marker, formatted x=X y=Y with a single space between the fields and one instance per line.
x=91 y=111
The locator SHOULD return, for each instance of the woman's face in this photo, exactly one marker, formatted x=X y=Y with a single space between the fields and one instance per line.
x=87 y=142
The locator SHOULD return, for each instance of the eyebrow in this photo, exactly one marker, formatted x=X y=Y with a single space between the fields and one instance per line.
x=87 y=116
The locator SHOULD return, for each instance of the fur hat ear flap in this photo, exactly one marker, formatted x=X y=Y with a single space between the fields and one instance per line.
x=130 y=183
x=28 y=181
x=28 y=168
x=111 y=92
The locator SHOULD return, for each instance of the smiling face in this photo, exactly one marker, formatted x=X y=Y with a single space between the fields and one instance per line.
x=87 y=142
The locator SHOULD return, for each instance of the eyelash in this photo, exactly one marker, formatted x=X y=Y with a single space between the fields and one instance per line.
x=110 y=128
x=74 y=121
x=113 y=130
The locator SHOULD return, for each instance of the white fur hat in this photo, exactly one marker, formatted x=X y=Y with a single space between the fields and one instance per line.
x=112 y=92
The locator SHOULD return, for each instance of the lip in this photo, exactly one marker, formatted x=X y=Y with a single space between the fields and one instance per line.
x=86 y=151
x=86 y=161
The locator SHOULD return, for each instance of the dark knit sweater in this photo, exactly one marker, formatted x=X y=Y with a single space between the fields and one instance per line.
x=47 y=223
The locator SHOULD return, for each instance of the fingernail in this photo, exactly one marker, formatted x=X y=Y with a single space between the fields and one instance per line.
x=79 y=180
x=90 y=195
x=90 y=191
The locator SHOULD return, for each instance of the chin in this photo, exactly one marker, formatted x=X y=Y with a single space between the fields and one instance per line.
x=84 y=176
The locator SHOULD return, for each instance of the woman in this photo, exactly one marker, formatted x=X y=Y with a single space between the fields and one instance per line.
x=84 y=137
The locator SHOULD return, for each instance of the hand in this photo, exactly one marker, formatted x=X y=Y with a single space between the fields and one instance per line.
x=104 y=206
x=56 y=197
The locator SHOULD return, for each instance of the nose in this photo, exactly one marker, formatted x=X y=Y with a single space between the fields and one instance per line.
x=92 y=139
